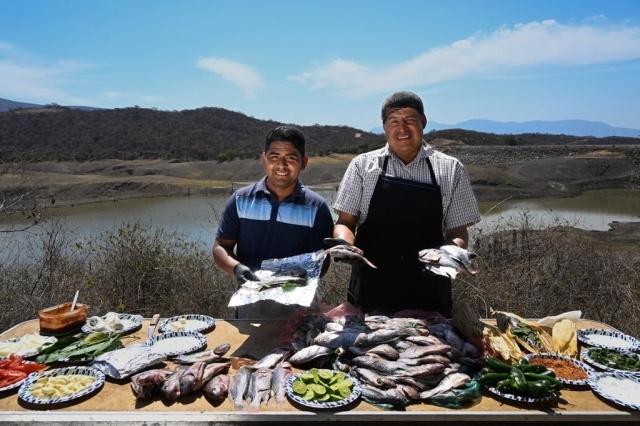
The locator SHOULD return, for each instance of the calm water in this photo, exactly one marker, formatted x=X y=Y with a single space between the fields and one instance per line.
x=196 y=217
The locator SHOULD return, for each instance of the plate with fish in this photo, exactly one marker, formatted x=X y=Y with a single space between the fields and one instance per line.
x=60 y=385
x=608 y=339
x=323 y=389
x=619 y=388
x=189 y=322
x=177 y=342
x=610 y=360
x=113 y=322
x=520 y=398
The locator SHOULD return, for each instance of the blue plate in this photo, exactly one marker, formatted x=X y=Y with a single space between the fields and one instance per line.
x=589 y=336
x=585 y=354
x=197 y=341
x=207 y=323
x=579 y=364
x=25 y=393
x=619 y=397
x=356 y=391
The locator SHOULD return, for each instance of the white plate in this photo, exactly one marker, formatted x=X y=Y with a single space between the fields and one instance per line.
x=356 y=391
x=579 y=364
x=198 y=323
x=25 y=394
x=19 y=382
x=50 y=340
x=131 y=322
x=523 y=399
x=184 y=342
x=617 y=397
x=618 y=340
x=585 y=354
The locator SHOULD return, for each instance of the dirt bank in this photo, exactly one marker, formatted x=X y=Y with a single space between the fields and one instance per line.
x=496 y=173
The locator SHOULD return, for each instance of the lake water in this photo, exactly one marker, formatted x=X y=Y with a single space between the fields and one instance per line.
x=196 y=217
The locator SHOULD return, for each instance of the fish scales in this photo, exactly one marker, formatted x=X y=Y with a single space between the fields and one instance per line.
x=259 y=387
x=278 y=380
x=238 y=386
x=451 y=381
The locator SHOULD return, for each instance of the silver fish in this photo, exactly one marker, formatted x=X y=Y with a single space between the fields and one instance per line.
x=379 y=336
x=451 y=381
x=427 y=359
x=418 y=384
x=420 y=351
x=191 y=378
x=217 y=388
x=222 y=349
x=410 y=392
x=274 y=281
x=238 y=386
x=271 y=359
x=308 y=354
x=423 y=371
x=374 y=378
x=451 y=256
x=346 y=252
x=385 y=350
x=170 y=389
x=203 y=356
x=377 y=363
x=401 y=345
x=278 y=380
x=144 y=385
x=424 y=340
x=259 y=387
x=393 y=396
x=334 y=340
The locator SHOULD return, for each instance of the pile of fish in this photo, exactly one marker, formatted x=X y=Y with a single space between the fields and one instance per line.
x=257 y=383
x=397 y=360
x=448 y=260
x=207 y=372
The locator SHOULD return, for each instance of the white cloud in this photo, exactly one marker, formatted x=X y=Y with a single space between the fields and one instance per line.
x=243 y=76
x=524 y=45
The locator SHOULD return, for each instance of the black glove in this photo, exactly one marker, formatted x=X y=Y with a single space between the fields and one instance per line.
x=243 y=273
x=332 y=242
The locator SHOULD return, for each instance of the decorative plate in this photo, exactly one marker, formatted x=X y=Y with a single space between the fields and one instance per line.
x=49 y=340
x=585 y=354
x=579 y=364
x=177 y=342
x=615 y=340
x=131 y=322
x=19 y=382
x=25 y=393
x=194 y=322
x=356 y=391
x=621 y=397
x=522 y=399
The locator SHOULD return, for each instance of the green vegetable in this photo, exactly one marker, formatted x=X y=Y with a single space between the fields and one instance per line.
x=80 y=346
x=519 y=381
x=497 y=365
x=544 y=378
x=617 y=360
x=538 y=389
x=322 y=385
x=493 y=378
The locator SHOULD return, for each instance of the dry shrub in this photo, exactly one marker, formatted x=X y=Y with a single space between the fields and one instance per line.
x=536 y=273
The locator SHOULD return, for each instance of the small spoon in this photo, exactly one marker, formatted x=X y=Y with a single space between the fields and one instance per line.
x=75 y=299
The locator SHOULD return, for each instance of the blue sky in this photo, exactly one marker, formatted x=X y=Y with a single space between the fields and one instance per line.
x=329 y=62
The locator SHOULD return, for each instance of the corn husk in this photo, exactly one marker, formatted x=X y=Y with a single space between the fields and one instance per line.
x=546 y=342
x=564 y=338
x=500 y=344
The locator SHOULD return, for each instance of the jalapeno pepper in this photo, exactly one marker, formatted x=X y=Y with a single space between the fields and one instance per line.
x=497 y=365
x=493 y=378
x=518 y=379
x=538 y=389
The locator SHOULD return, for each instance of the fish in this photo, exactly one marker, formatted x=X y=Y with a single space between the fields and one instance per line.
x=418 y=384
x=203 y=356
x=374 y=378
x=274 y=281
x=423 y=371
x=380 y=336
x=448 y=256
x=211 y=371
x=347 y=252
x=309 y=353
x=379 y=364
x=424 y=340
x=271 y=359
x=385 y=350
x=278 y=380
x=217 y=388
x=170 y=389
x=427 y=359
x=451 y=381
x=144 y=385
x=410 y=392
x=259 y=388
x=336 y=340
x=393 y=396
x=222 y=349
x=420 y=351
x=238 y=386
x=191 y=378
x=401 y=344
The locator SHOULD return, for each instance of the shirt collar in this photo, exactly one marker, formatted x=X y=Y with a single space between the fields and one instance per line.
x=297 y=196
x=423 y=154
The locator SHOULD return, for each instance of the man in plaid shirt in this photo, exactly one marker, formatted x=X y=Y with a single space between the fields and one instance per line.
x=396 y=201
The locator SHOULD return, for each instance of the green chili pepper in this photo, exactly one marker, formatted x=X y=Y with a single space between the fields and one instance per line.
x=493 y=378
x=497 y=365
x=518 y=379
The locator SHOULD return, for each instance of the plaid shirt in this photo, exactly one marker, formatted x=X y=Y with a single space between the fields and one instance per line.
x=459 y=205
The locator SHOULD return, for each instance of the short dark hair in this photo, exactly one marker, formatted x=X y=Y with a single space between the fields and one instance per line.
x=401 y=100
x=286 y=134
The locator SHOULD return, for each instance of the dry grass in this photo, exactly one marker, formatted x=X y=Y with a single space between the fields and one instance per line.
x=533 y=273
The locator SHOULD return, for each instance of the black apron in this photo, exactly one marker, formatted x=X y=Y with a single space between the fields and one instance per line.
x=404 y=217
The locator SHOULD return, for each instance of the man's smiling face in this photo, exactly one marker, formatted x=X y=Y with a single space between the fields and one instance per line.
x=403 y=128
x=282 y=164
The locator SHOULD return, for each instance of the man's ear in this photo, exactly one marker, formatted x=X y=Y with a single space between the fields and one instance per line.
x=424 y=120
x=263 y=159
x=305 y=160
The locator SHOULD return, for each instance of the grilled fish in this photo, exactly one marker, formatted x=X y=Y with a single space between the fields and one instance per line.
x=217 y=388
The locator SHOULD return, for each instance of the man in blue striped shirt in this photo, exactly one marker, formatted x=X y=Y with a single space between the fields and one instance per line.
x=275 y=217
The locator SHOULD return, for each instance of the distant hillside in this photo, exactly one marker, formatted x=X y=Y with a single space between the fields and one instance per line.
x=57 y=133
x=8 y=105
x=562 y=127
x=469 y=137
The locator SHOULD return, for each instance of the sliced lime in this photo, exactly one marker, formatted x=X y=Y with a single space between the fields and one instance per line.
x=299 y=387
x=309 y=395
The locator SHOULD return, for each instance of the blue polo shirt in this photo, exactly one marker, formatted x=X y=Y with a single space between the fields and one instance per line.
x=265 y=228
